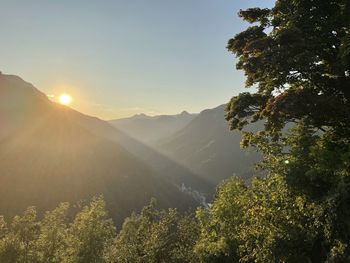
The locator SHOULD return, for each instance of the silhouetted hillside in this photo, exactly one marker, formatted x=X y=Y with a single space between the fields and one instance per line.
x=50 y=153
x=208 y=148
x=204 y=148
x=139 y=135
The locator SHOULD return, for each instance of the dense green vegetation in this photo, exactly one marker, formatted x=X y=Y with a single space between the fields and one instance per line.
x=151 y=236
x=297 y=56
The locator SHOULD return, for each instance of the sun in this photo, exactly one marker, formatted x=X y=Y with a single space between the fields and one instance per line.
x=65 y=99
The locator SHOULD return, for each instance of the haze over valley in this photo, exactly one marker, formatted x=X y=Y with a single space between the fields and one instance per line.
x=51 y=153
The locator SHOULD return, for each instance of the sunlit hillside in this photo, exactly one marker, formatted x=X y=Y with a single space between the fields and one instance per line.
x=50 y=154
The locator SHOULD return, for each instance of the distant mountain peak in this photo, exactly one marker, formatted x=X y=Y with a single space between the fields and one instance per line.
x=149 y=129
x=140 y=115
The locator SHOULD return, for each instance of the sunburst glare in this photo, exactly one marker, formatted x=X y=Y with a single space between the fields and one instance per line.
x=65 y=99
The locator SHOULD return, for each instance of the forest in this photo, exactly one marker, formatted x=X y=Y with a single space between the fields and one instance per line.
x=296 y=59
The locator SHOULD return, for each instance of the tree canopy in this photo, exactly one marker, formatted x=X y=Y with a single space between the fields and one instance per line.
x=296 y=59
x=297 y=56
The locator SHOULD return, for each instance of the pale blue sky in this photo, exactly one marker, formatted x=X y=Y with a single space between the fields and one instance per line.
x=117 y=58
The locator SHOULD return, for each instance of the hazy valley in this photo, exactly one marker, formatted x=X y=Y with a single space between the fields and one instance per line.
x=50 y=153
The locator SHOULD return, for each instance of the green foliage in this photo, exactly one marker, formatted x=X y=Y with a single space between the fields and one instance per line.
x=51 y=242
x=155 y=236
x=151 y=236
x=297 y=56
x=18 y=240
x=90 y=234
x=129 y=244
x=219 y=224
x=313 y=164
x=3 y=227
x=27 y=240
x=261 y=223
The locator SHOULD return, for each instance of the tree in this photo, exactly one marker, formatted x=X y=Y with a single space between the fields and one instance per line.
x=27 y=240
x=18 y=240
x=265 y=222
x=51 y=243
x=297 y=56
x=90 y=234
x=218 y=240
x=129 y=245
x=155 y=236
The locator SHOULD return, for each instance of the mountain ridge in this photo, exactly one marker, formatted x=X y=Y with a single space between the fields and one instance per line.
x=149 y=129
x=204 y=145
x=209 y=148
x=50 y=153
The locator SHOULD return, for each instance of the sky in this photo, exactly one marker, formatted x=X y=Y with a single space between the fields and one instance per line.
x=117 y=58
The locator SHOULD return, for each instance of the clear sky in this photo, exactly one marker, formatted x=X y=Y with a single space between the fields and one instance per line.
x=122 y=57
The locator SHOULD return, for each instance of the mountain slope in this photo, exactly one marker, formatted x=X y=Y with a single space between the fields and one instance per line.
x=149 y=129
x=50 y=153
x=208 y=148
x=139 y=135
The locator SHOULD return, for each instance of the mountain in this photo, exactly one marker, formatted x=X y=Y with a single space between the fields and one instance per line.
x=209 y=149
x=149 y=129
x=141 y=134
x=202 y=147
x=50 y=153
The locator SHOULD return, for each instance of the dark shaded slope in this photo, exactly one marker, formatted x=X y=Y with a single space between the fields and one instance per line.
x=162 y=166
x=165 y=167
x=50 y=153
x=207 y=147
